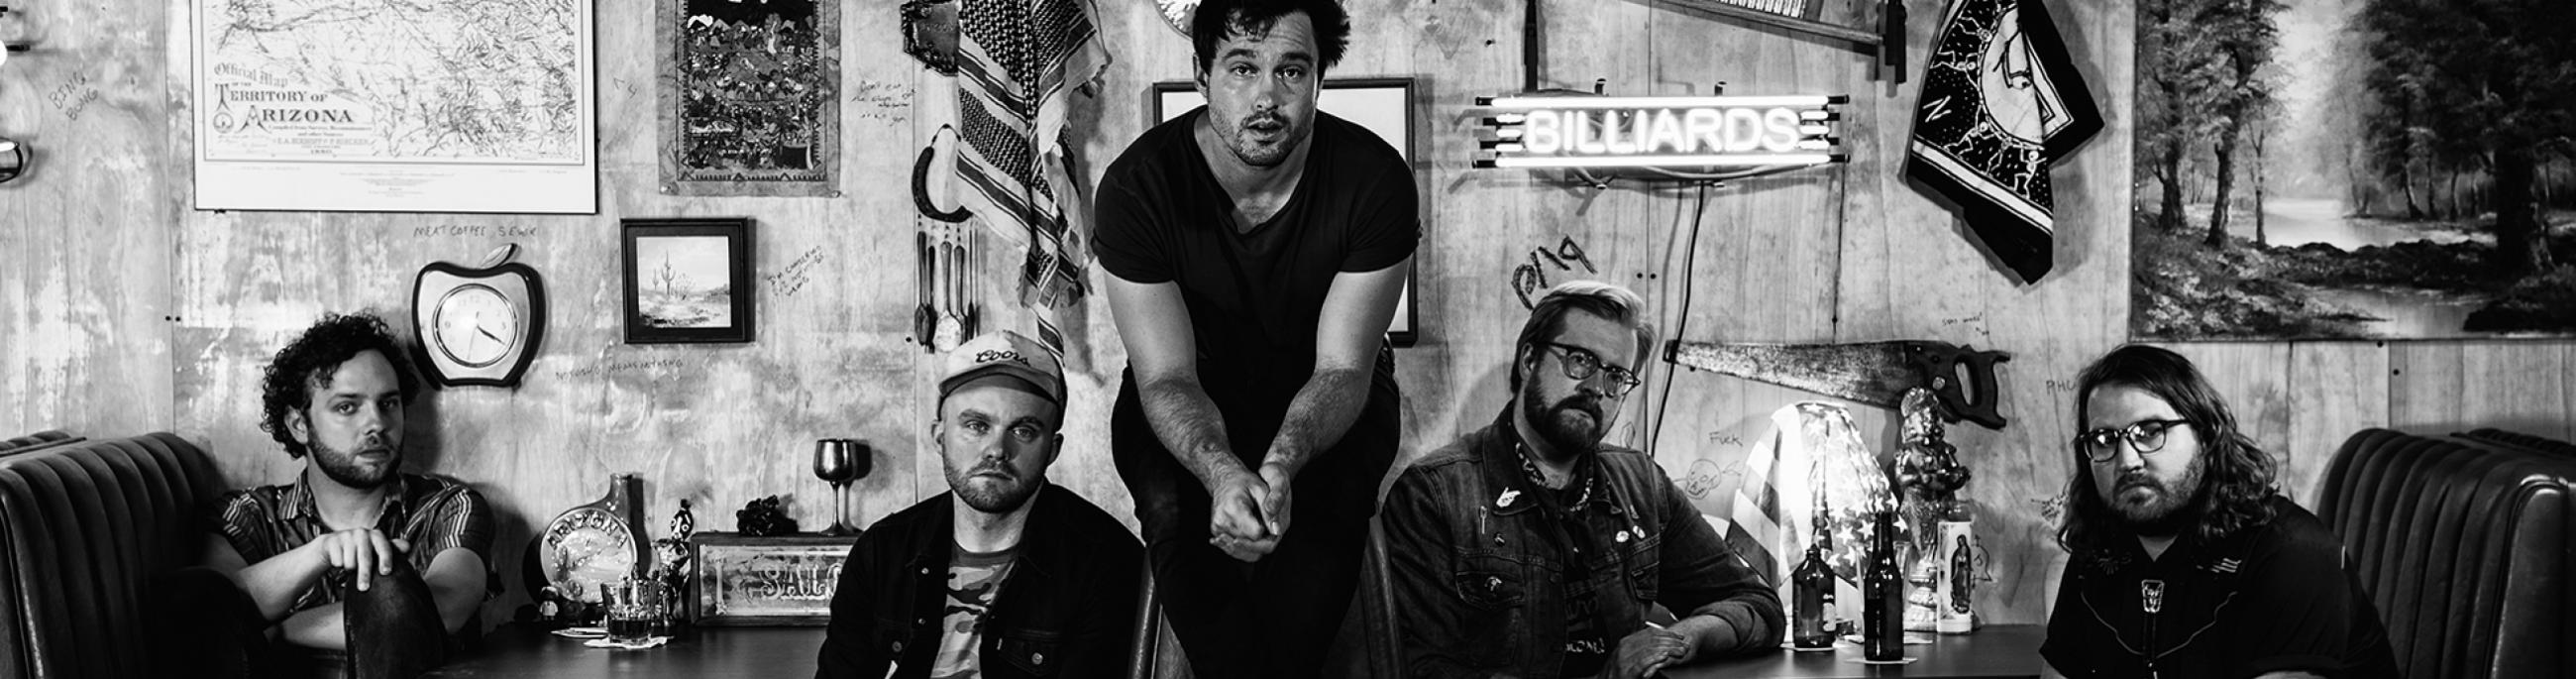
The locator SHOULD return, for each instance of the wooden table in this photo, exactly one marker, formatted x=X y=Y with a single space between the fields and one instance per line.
x=2003 y=651
x=1995 y=652
x=512 y=651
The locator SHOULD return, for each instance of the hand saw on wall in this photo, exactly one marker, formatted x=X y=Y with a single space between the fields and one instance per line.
x=1875 y=373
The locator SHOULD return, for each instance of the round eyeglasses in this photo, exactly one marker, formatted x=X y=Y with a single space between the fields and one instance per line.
x=1581 y=364
x=2144 y=436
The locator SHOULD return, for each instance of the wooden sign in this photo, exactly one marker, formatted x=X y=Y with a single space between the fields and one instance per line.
x=781 y=580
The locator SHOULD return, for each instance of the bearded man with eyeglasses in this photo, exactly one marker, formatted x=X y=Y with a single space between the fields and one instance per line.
x=1531 y=549
x=2186 y=561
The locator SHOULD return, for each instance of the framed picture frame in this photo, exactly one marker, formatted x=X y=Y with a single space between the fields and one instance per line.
x=1385 y=106
x=688 y=280
x=748 y=581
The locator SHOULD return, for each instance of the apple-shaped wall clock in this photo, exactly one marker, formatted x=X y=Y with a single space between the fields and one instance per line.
x=478 y=326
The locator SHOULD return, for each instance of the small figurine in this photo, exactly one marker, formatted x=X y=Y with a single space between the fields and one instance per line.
x=1928 y=465
x=671 y=562
x=549 y=609
x=762 y=518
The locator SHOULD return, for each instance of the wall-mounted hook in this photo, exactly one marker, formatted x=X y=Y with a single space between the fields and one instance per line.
x=15 y=157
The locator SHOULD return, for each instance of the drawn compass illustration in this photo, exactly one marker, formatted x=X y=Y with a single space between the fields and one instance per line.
x=1177 y=13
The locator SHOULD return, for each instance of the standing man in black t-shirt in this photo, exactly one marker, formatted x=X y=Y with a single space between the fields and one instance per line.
x=1255 y=252
x=2186 y=561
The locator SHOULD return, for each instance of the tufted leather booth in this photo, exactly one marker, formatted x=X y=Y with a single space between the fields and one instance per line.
x=2464 y=543
x=83 y=526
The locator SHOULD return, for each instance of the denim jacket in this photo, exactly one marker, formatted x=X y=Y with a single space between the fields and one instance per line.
x=1475 y=560
x=1068 y=609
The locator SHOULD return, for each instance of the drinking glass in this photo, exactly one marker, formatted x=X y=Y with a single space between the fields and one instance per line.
x=834 y=463
x=630 y=620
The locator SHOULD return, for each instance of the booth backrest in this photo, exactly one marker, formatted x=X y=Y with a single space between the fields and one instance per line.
x=2464 y=544
x=83 y=527
x=36 y=441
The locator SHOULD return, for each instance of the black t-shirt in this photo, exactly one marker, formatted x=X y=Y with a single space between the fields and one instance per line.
x=1255 y=296
x=2278 y=597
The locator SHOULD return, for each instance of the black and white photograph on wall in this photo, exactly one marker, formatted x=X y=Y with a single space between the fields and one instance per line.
x=688 y=280
x=2354 y=169
x=749 y=101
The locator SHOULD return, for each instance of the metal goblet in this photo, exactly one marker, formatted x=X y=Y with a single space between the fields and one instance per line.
x=833 y=463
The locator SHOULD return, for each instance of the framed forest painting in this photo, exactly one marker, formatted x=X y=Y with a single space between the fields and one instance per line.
x=2354 y=169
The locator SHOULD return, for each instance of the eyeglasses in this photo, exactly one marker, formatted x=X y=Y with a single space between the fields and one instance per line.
x=1581 y=363
x=2144 y=436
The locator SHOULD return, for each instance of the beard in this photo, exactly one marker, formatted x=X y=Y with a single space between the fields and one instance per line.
x=989 y=494
x=1263 y=139
x=1571 y=426
x=2164 y=512
x=345 y=468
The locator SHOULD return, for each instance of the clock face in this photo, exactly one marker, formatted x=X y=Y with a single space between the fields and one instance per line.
x=584 y=548
x=475 y=325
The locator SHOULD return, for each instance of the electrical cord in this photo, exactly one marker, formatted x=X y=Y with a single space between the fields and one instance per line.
x=1690 y=263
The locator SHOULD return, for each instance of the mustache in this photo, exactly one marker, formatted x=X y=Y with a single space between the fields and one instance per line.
x=2140 y=480
x=1586 y=404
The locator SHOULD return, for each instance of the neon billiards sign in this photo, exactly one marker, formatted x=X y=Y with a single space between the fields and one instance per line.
x=1753 y=135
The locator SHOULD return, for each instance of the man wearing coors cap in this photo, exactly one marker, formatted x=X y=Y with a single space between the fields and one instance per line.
x=1006 y=575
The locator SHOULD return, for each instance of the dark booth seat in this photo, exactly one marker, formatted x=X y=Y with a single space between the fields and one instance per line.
x=84 y=526
x=2464 y=544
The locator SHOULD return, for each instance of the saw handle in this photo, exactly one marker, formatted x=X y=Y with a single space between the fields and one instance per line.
x=1940 y=365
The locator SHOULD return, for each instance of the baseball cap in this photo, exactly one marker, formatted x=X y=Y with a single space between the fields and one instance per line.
x=1004 y=353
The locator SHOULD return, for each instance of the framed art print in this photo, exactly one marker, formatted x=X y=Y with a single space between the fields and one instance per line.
x=688 y=280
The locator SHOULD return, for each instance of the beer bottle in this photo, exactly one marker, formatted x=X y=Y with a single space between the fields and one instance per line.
x=1815 y=583
x=1883 y=596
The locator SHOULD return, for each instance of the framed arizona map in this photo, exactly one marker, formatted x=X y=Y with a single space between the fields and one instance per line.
x=410 y=106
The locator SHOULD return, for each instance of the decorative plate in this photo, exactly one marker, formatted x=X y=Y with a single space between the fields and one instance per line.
x=584 y=548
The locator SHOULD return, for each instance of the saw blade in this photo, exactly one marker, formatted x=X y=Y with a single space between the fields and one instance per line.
x=1875 y=373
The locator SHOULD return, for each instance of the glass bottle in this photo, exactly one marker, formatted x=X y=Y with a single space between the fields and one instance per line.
x=1883 y=596
x=1815 y=584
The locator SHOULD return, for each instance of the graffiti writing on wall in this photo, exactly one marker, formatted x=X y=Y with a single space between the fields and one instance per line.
x=1531 y=276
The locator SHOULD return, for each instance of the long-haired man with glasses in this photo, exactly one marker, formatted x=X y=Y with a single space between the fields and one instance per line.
x=1531 y=549
x=2185 y=559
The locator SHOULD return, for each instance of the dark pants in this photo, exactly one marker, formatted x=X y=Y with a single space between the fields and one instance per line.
x=1275 y=617
x=211 y=628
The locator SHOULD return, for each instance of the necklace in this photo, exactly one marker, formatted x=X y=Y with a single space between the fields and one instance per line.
x=1530 y=467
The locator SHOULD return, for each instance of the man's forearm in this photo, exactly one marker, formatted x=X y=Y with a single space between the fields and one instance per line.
x=1322 y=412
x=317 y=627
x=1710 y=636
x=455 y=581
x=276 y=583
x=1728 y=628
x=1190 y=426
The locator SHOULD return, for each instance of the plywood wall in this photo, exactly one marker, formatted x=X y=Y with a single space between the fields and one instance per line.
x=121 y=311
x=85 y=235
